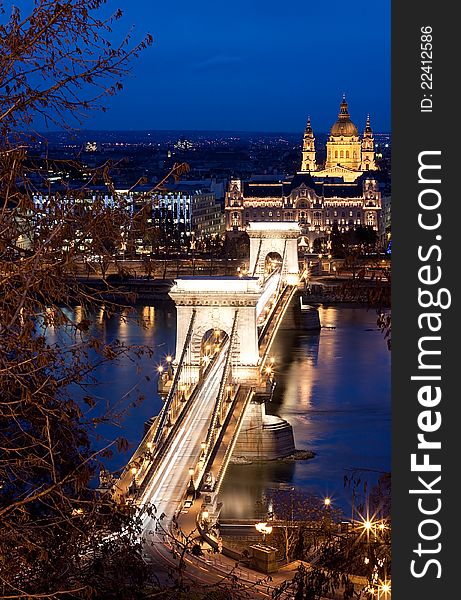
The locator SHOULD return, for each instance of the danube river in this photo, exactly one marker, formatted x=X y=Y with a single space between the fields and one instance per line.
x=333 y=387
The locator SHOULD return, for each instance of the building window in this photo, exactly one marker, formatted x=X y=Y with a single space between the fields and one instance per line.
x=341 y=154
x=336 y=154
x=347 y=153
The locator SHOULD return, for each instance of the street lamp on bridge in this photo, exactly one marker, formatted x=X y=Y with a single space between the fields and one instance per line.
x=191 y=488
x=264 y=529
x=169 y=360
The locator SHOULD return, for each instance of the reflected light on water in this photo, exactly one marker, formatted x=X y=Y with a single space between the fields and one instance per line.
x=334 y=389
x=328 y=316
x=101 y=313
x=78 y=314
x=148 y=314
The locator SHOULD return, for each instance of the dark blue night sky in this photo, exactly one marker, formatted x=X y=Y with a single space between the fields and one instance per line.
x=258 y=65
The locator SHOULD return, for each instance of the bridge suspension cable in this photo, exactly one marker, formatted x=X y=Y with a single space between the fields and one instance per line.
x=219 y=398
x=256 y=265
x=235 y=434
x=283 y=269
x=176 y=379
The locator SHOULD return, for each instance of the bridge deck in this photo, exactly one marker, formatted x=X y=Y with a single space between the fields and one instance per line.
x=270 y=328
x=220 y=456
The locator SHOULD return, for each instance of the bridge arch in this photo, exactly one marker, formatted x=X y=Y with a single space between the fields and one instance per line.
x=205 y=343
x=272 y=261
x=274 y=238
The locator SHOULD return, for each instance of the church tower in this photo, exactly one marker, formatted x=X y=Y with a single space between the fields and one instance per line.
x=368 y=149
x=308 y=163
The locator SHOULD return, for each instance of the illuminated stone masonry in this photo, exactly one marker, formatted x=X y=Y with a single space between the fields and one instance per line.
x=274 y=238
x=215 y=301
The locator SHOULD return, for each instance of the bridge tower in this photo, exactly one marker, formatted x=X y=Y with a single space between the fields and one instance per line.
x=274 y=237
x=212 y=304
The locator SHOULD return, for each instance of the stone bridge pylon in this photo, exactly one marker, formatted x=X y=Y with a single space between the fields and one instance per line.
x=280 y=238
x=211 y=304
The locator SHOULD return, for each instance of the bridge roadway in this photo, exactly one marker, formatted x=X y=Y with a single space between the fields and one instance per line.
x=166 y=486
x=165 y=491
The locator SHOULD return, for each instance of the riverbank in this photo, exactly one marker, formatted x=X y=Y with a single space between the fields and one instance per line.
x=319 y=290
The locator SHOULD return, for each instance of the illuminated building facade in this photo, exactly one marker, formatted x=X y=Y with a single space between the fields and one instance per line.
x=343 y=193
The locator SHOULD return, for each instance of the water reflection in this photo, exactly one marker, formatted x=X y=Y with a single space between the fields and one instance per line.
x=334 y=388
x=246 y=484
x=121 y=383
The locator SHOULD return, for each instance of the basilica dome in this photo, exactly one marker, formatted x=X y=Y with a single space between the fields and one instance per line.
x=344 y=126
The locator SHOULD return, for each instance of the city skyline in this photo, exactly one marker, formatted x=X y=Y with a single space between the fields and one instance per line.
x=262 y=72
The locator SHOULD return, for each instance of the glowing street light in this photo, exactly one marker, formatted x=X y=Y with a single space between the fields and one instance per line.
x=264 y=529
x=191 y=488
x=169 y=360
x=384 y=589
x=327 y=502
